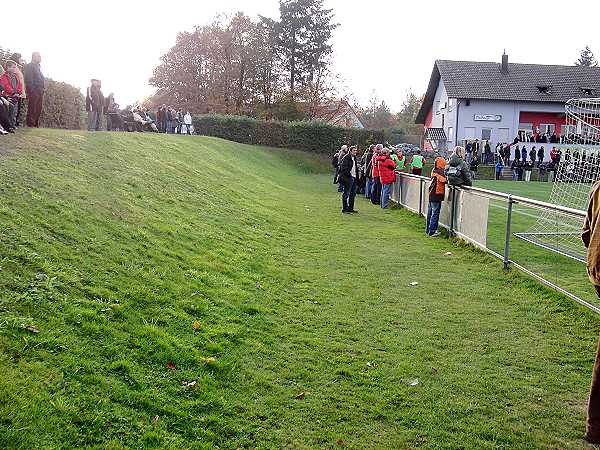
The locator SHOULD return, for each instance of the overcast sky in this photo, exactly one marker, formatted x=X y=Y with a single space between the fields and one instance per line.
x=383 y=45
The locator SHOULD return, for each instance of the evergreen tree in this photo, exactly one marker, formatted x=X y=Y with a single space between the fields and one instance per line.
x=586 y=58
x=304 y=40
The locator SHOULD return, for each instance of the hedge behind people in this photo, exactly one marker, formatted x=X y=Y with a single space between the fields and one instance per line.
x=313 y=136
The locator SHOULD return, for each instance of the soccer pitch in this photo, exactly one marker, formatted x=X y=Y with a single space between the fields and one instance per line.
x=561 y=270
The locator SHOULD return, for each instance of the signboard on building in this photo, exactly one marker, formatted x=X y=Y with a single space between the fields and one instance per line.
x=487 y=118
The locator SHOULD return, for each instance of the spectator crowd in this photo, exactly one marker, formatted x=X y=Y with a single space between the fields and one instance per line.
x=374 y=174
x=22 y=87
x=21 y=84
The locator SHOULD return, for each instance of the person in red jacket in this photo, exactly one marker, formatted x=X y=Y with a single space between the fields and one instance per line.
x=387 y=176
x=376 y=189
x=13 y=89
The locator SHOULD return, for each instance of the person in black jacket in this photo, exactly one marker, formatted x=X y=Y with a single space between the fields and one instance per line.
x=34 y=86
x=348 y=177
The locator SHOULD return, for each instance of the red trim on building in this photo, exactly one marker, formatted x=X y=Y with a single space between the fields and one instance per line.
x=537 y=118
x=429 y=118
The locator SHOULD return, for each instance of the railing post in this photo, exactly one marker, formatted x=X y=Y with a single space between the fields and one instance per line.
x=420 y=196
x=452 y=211
x=507 y=236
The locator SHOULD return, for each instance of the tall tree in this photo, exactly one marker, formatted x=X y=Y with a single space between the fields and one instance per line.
x=586 y=58
x=304 y=40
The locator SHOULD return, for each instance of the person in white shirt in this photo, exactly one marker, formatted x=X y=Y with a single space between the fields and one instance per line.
x=187 y=121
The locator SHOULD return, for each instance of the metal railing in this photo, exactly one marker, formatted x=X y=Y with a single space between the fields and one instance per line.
x=465 y=215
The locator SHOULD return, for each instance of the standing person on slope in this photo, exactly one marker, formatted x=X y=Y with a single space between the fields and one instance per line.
x=348 y=176
x=34 y=86
x=387 y=176
x=437 y=193
x=591 y=239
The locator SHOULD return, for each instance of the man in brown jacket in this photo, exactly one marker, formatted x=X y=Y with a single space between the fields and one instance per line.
x=591 y=239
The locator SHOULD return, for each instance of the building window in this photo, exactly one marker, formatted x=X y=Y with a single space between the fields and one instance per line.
x=503 y=135
x=525 y=131
x=566 y=130
x=544 y=89
x=469 y=133
x=547 y=128
x=437 y=107
x=486 y=134
x=450 y=138
x=443 y=121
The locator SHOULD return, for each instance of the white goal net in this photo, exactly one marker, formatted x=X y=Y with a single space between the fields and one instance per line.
x=576 y=171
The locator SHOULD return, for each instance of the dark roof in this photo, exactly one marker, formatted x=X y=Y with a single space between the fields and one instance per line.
x=522 y=82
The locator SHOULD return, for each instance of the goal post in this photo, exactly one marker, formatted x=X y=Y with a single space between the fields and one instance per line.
x=577 y=170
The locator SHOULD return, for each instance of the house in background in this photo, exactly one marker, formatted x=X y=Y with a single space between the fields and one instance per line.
x=338 y=113
x=498 y=102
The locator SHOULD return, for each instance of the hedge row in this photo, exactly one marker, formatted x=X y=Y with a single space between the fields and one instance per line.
x=64 y=107
x=317 y=137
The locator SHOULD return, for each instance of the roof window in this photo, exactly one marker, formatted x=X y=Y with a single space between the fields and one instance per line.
x=544 y=89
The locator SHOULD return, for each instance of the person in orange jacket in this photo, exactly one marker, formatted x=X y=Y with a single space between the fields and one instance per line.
x=437 y=193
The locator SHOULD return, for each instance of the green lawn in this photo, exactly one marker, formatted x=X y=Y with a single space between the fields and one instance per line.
x=195 y=293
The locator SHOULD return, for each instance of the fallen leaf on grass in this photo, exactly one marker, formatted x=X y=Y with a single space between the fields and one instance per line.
x=32 y=329
x=448 y=253
x=171 y=365
x=190 y=384
x=210 y=359
x=300 y=396
x=340 y=442
x=196 y=325
x=155 y=421
x=414 y=382
x=434 y=371
x=372 y=364
x=414 y=283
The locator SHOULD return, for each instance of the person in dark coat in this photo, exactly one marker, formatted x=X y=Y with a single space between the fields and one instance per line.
x=532 y=154
x=94 y=105
x=35 y=85
x=524 y=153
x=348 y=176
x=540 y=156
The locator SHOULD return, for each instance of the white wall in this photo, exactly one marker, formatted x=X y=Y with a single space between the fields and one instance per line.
x=510 y=112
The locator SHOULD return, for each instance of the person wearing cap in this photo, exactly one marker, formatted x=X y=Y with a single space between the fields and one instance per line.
x=94 y=105
x=34 y=86
x=348 y=176
x=387 y=176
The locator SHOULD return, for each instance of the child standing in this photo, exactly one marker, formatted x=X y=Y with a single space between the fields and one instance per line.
x=499 y=169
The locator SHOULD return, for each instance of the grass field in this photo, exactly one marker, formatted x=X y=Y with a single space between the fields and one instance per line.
x=187 y=292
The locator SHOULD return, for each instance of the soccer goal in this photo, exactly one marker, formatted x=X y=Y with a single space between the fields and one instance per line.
x=573 y=176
